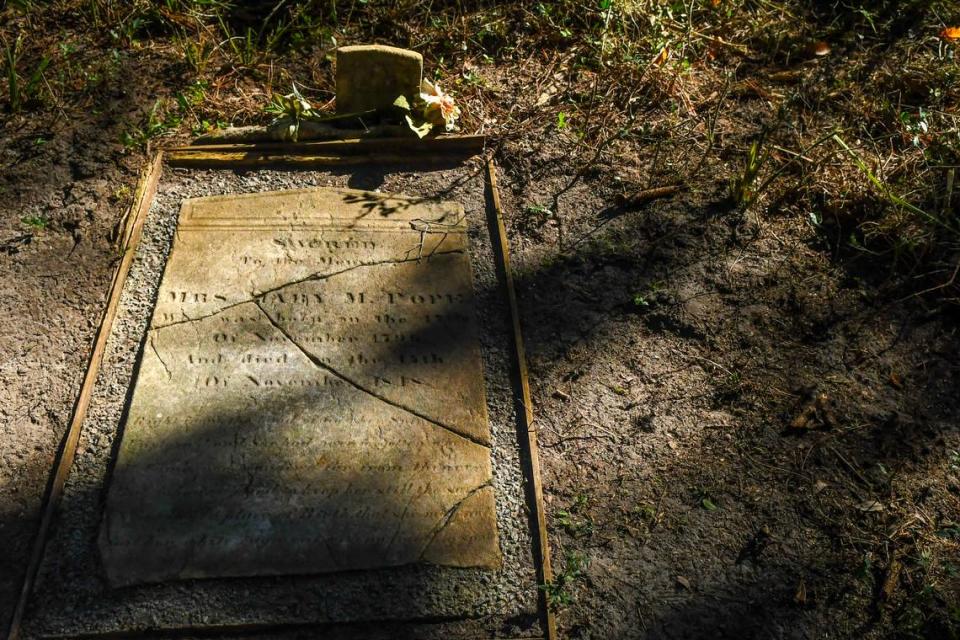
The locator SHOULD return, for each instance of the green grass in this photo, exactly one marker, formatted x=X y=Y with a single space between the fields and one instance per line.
x=161 y=120
x=35 y=222
x=574 y=520
x=10 y=54
x=23 y=92
x=559 y=592
x=668 y=76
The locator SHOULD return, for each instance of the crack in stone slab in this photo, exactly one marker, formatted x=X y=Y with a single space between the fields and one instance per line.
x=157 y=353
x=331 y=553
x=448 y=516
x=424 y=228
x=323 y=365
x=313 y=277
x=403 y=516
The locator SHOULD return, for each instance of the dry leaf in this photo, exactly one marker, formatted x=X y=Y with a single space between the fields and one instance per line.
x=684 y=582
x=825 y=411
x=896 y=380
x=547 y=94
x=800 y=597
x=870 y=506
x=818 y=413
x=951 y=34
x=805 y=419
x=662 y=57
x=890 y=583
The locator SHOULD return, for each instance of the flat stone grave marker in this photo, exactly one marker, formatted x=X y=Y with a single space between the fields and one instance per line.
x=306 y=418
x=311 y=397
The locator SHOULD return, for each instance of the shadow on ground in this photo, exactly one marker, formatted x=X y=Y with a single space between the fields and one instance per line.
x=672 y=348
x=741 y=437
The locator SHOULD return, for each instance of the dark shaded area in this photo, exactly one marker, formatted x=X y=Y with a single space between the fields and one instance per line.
x=674 y=469
x=789 y=341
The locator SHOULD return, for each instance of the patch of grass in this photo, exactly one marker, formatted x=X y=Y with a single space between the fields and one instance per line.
x=121 y=193
x=946 y=225
x=245 y=49
x=160 y=121
x=640 y=520
x=535 y=217
x=640 y=300
x=10 y=54
x=648 y=297
x=36 y=222
x=197 y=51
x=574 y=519
x=22 y=92
x=706 y=499
x=539 y=213
x=742 y=185
x=559 y=592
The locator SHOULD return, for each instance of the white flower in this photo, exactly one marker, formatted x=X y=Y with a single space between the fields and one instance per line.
x=439 y=108
x=295 y=104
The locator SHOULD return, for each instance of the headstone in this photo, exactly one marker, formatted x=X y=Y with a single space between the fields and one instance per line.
x=373 y=76
x=310 y=397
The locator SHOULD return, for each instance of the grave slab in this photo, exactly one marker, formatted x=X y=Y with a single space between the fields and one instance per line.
x=461 y=561
x=311 y=398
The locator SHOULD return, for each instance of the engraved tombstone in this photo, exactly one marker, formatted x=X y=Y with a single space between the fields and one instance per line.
x=310 y=397
x=373 y=76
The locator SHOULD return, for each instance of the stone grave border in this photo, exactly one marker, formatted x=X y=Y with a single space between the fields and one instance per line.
x=369 y=151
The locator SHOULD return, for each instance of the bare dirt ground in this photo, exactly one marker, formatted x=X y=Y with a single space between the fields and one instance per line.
x=54 y=283
x=757 y=448
x=749 y=425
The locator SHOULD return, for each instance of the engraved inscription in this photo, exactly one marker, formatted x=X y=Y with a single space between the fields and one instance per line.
x=310 y=397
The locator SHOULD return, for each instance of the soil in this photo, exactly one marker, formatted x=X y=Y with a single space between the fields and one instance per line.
x=54 y=281
x=742 y=433
x=739 y=436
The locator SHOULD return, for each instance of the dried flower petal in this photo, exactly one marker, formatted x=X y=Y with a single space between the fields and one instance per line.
x=439 y=108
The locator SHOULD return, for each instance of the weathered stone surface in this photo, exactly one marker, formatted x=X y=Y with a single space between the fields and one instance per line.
x=373 y=76
x=310 y=397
